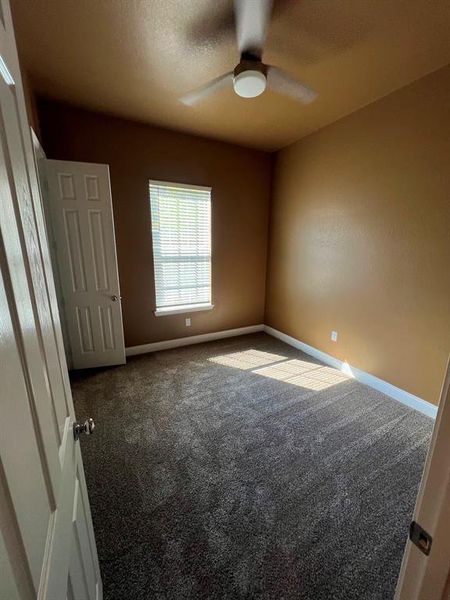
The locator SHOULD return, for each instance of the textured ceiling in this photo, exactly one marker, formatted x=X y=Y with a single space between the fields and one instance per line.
x=134 y=58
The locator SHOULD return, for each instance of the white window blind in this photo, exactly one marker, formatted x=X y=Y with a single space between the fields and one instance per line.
x=181 y=228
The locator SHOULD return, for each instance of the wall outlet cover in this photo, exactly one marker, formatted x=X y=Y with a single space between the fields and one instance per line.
x=188 y=322
x=334 y=336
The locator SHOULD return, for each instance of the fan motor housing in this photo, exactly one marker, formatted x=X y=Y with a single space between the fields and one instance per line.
x=250 y=64
x=250 y=77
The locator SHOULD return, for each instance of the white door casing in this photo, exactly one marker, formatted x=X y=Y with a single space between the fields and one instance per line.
x=40 y=162
x=47 y=544
x=80 y=208
x=424 y=577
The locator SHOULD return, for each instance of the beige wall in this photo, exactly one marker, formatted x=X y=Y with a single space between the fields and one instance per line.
x=360 y=238
x=240 y=181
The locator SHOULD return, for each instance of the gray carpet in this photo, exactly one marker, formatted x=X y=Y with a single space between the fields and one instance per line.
x=245 y=469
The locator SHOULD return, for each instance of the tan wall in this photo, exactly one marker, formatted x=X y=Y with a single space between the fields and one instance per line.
x=360 y=238
x=240 y=181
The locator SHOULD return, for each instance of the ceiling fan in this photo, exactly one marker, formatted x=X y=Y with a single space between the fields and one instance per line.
x=251 y=76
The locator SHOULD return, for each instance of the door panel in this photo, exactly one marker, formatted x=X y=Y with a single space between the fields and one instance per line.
x=74 y=251
x=40 y=462
x=99 y=258
x=34 y=525
x=83 y=551
x=32 y=245
x=9 y=588
x=80 y=209
x=20 y=278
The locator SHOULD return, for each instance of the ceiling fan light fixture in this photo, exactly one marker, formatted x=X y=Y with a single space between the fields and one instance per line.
x=251 y=76
x=249 y=83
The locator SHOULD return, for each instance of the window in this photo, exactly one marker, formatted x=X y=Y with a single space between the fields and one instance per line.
x=181 y=228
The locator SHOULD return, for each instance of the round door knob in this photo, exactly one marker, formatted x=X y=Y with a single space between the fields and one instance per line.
x=87 y=427
x=114 y=298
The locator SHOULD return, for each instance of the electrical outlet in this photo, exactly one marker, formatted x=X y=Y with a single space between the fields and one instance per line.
x=334 y=336
x=188 y=322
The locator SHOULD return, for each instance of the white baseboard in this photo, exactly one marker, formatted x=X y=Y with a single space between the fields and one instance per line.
x=378 y=384
x=192 y=339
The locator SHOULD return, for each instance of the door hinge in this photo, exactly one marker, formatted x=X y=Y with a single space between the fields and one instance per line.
x=421 y=538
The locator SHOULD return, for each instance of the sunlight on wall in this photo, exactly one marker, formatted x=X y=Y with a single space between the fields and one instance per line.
x=298 y=372
x=346 y=368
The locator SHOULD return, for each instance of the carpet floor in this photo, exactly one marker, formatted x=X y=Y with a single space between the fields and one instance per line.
x=244 y=469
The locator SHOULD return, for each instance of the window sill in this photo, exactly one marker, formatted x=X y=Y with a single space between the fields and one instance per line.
x=178 y=310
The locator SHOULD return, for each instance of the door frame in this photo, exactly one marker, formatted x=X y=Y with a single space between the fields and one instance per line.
x=426 y=577
x=39 y=159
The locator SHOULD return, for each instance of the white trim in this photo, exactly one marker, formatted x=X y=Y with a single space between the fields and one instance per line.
x=4 y=72
x=374 y=382
x=179 y=310
x=424 y=577
x=192 y=339
x=183 y=186
x=378 y=384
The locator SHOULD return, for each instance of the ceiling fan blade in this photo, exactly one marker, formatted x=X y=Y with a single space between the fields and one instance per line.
x=252 y=19
x=213 y=86
x=280 y=81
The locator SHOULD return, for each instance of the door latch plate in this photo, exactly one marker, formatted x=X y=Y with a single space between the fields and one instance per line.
x=421 y=538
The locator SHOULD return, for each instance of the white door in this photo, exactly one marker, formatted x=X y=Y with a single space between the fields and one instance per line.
x=426 y=566
x=47 y=545
x=80 y=209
